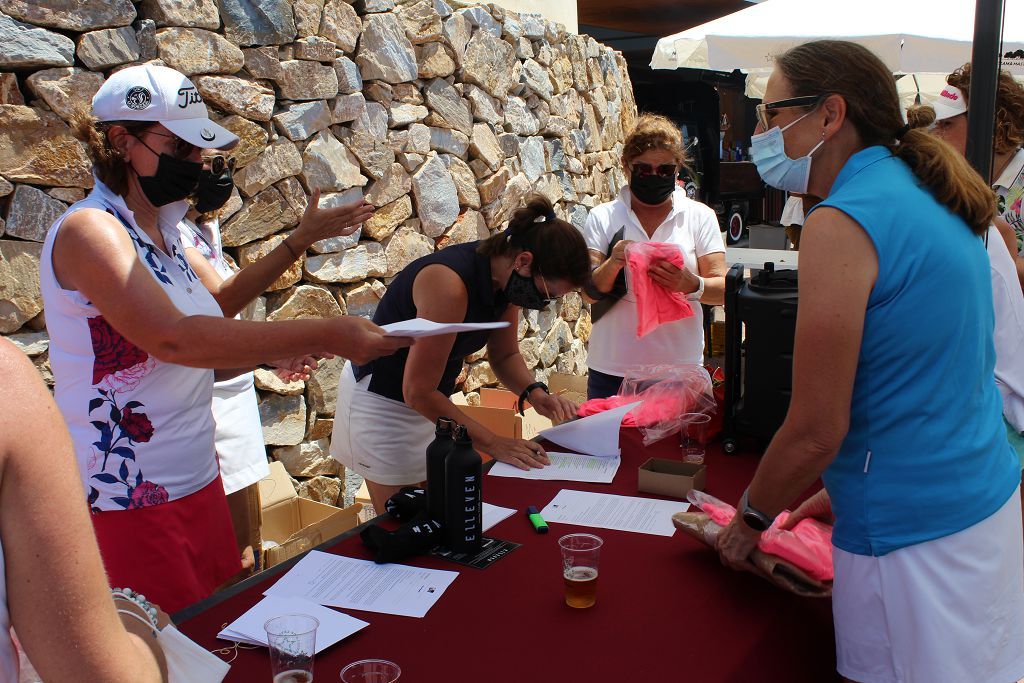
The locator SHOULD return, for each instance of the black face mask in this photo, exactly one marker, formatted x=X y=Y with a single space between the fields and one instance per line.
x=213 y=190
x=651 y=189
x=174 y=180
x=522 y=291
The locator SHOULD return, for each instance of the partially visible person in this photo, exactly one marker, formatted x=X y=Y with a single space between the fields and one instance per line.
x=239 y=433
x=1007 y=146
x=135 y=338
x=650 y=209
x=387 y=408
x=893 y=386
x=53 y=591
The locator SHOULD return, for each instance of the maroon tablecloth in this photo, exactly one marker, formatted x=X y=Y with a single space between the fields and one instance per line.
x=667 y=609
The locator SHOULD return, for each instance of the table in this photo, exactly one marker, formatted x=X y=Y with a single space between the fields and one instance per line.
x=667 y=610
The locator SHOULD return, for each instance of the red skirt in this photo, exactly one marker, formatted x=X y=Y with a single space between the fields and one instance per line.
x=175 y=553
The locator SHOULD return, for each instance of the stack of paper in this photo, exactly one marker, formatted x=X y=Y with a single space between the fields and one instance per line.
x=493 y=514
x=608 y=511
x=565 y=467
x=248 y=628
x=348 y=583
x=420 y=327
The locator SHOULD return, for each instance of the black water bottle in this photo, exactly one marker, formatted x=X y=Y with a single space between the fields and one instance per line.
x=437 y=453
x=463 y=508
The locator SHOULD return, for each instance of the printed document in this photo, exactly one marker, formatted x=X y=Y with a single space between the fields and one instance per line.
x=494 y=514
x=565 y=467
x=349 y=583
x=592 y=435
x=248 y=628
x=608 y=511
x=420 y=327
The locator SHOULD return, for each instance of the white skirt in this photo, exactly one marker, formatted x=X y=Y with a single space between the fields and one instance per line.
x=383 y=440
x=944 y=611
x=239 y=433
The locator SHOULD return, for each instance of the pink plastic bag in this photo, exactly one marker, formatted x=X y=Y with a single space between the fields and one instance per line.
x=808 y=545
x=667 y=392
x=655 y=305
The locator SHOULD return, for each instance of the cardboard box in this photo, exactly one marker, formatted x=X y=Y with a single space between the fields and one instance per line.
x=572 y=387
x=673 y=478
x=497 y=412
x=294 y=523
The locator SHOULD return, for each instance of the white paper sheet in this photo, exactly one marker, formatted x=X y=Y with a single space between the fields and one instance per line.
x=494 y=514
x=421 y=327
x=334 y=625
x=361 y=584
x=592 y=435
x=565 y=467
x=608 y=511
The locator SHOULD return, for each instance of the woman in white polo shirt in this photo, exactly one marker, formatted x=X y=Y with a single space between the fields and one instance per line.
x=651 y=209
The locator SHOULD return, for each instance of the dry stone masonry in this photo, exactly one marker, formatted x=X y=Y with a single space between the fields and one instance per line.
x=444 y=116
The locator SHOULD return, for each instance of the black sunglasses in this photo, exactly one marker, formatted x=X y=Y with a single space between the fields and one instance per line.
x=664 y=170
x=219 y=163
x=182 y=148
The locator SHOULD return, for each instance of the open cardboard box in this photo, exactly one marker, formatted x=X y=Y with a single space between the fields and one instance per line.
x=497 y=412
x=673 y=478
x=297 y=524
x=572 y=387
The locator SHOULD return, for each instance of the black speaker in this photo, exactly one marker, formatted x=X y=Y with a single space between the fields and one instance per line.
x=760 y=324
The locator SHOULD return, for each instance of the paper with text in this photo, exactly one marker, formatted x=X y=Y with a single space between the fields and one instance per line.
x=421 y=327
x=248 y=628
x=361 y=584
x=608 y=511
x=494 y=514
x=592 y=435
x=565 y=467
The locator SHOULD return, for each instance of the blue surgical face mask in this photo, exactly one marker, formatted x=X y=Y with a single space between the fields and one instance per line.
x=776 y=168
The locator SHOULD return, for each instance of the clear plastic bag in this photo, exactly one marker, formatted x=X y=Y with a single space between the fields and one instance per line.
x=668 y=393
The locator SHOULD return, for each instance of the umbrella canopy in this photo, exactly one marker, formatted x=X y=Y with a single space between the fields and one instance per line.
x=908 y=35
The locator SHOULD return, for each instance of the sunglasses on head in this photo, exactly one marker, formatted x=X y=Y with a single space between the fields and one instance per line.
x=219 y=163
x=664 y=170
x=804 y=101
x=182 y=148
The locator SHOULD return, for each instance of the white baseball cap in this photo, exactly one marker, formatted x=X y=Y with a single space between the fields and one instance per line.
x=949 y=103
x=156 y=93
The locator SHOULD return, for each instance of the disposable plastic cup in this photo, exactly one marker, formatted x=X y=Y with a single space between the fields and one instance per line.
x=371 y=671
x=291 y=639
x=693 y=429
x=580 y=555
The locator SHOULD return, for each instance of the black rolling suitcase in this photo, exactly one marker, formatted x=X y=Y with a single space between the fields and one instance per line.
x=760 y=323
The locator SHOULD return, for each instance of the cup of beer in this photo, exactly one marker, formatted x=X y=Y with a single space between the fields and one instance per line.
x=580 y=553
x=291 y=639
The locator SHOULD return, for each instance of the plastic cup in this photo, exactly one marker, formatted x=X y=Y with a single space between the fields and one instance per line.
x=580 y=555
x=693 y=429
x=371 y=671
x=292 y=642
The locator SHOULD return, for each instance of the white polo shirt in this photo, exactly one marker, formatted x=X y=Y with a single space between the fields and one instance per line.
x=614 y=347
x=1009 y=189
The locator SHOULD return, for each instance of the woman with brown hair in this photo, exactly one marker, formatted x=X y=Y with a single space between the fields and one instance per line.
x=387 y=408
x=652 y=208
x=135 y=337
x=894 y=403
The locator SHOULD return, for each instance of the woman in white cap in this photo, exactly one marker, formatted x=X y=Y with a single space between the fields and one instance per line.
x=135 y=334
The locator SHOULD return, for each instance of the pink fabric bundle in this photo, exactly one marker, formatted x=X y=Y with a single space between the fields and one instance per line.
x=654 y=409
x=808 y=545
x=655 y=305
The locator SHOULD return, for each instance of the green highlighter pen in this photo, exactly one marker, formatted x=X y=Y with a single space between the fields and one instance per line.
x=539 y=525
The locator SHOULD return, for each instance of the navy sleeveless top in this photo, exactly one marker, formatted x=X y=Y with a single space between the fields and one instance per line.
x=484 y=306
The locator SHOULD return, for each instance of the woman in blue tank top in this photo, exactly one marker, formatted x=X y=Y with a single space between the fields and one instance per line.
x=894 y=400
x=387 y=409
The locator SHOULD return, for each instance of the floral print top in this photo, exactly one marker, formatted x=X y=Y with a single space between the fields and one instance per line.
x=142 y=428
x=1009 y=189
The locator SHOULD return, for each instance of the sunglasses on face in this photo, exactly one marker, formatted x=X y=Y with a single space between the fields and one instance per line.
x=218 y=164
x=762 y=110
x=182 y=149
x=664 y=170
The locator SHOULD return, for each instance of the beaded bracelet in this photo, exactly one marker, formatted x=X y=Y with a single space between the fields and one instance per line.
x=138 y=599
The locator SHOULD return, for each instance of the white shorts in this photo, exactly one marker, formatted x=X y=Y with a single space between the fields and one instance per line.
x=382 y=439
x=944 y=611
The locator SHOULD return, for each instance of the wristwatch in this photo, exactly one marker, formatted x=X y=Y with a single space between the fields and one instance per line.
x=755 y=519
x=696 y=295
x=526 y=394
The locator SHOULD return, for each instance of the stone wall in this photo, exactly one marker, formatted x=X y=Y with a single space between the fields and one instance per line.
x=445 y=119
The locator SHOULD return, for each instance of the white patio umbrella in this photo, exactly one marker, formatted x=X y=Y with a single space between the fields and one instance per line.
x=908 y=35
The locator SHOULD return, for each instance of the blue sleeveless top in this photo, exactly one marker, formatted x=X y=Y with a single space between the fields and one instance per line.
x=484 y=306
x=926 y=454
